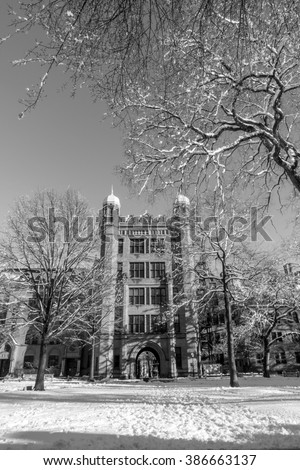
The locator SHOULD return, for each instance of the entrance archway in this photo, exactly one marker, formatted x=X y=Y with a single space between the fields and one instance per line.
x=147 y=364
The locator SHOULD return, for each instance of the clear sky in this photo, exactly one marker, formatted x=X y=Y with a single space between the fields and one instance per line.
x=63 y=142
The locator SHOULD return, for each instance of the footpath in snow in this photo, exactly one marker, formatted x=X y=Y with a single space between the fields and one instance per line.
x=261 y=414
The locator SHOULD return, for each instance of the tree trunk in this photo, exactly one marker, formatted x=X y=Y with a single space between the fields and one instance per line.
x=40 y=377
x=199 y=362
x=92 y=365
x=230 y=346
x=266 y=359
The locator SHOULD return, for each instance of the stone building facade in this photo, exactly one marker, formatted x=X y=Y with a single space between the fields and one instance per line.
x=141 y=337
x=144 y=335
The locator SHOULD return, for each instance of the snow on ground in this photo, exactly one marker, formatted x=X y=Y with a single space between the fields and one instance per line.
x=200 y=414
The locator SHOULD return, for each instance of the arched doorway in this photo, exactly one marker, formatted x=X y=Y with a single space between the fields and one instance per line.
x=147 y=364
x=5 y=360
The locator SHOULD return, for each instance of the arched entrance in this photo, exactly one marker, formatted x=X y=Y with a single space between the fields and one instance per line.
x=5 y=360
x=147 y=364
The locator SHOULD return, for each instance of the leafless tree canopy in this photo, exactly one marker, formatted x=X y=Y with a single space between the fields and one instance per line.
x=48 y=266
x=203 y=87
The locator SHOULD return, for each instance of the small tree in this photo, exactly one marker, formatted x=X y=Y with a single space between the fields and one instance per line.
x=216 y=271
x=47 y=257
x=95 y=315
x=267 y=315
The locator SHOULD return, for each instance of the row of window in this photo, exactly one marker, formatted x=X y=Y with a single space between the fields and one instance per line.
x=53 y=361
x=147 y=296
x=150 y=324
x=143 y=245
x=280 y=357
x=146 y=324
x=142 y=270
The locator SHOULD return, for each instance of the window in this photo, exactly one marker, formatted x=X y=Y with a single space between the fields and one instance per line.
x=154 y=323
x=28 y=362
x=178 y=357
x=259 y=358
x=136 y=324
x=158 y=295
x=53 y=361
x=297 y=356
x=280 y=358
x=116 y=361
x=120 y=269
x=137 y=245
x=176 y=295
x=176 y=244
x=137 y=270
x=277 y=335
x=177 y=323
x=137 y=296
x=158 y=270
x=33 y=303
x=120 y=246
x=157 y=245
x=3 y=311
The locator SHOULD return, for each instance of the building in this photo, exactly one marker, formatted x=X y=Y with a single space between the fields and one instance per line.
x=147 y=334
x=142 y=337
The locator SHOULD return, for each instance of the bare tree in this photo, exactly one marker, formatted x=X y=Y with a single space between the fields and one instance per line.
x=198 y=84
x=218 y=271
x=48 y=264
x=269 y=316
x=90 y=327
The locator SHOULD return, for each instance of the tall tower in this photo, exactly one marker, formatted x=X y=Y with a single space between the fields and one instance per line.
x=109 y=228
x=187 y=265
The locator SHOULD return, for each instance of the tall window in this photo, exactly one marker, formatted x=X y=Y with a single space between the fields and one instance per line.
x=158 y=270
x=137 y=270
x=158 y=295
x=136 y=324
x=137 y=296
x=120 y=246
x=176 y=323
x=280 y=358
x=137 y=245
x=178 y=357
x=120 y=269
x=116 y=361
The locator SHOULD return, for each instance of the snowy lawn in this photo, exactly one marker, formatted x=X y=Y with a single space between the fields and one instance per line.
x=187 y=414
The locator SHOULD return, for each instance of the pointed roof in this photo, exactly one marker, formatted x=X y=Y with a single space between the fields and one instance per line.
x=112 y=199
x=181 y=199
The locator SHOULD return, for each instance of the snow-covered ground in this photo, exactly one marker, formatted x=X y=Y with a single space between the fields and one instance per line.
x=200 y=414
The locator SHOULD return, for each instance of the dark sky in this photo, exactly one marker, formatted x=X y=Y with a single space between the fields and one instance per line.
x=63 y=142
